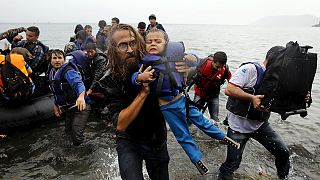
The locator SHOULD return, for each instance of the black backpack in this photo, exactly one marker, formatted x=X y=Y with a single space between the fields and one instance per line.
x=288 y=79
x=16 y=85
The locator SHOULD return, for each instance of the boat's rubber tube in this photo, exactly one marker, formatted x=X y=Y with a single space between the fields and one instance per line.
x=37 y=109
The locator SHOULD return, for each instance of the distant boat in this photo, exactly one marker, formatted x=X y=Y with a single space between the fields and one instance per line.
x=316 y=25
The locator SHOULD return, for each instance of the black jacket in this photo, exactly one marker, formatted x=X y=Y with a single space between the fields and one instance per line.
x=158 y=26
x=149 y=126
x=102 y=41
x=98 y=67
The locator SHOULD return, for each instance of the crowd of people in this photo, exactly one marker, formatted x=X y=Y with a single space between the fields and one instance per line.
x=141 y=78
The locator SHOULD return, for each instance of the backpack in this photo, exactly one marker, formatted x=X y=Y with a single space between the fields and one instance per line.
x=288 y=79
x=15 y=84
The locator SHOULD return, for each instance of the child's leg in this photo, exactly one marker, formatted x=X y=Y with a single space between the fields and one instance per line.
x=175 y=115
x=208 y=127
x=198 y=119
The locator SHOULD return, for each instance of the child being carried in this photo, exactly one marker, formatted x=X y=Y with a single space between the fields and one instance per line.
x=167 y=84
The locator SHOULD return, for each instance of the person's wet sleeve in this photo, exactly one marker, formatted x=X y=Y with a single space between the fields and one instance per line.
x=100 y=64
x=115 y=99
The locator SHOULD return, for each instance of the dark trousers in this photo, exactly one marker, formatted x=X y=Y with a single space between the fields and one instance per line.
x=130 y=157
x=266 y=136
x=76 y=122
x=213 y=105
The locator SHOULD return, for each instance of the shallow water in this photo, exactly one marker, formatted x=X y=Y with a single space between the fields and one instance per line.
x=43 y=151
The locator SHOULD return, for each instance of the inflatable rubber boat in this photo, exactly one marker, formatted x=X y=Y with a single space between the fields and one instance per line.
x=35 y=110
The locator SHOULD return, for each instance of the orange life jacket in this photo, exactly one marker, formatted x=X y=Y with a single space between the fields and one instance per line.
x=18 y=61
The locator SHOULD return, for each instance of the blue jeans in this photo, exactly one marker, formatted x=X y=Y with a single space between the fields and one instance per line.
x=266 y=136
x=175 y=114
x=130 y=157
x=213 y=105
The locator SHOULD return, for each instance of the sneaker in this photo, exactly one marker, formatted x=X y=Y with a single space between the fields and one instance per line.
x=201 y=167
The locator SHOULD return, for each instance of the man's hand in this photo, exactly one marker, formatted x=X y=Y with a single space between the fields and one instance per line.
x=80 y=102
x=182 y=66
x=256 y=101
x=191 y=59
x=89 y=92
x=17 y=38
x=2 y=136
x=56 y=110
x=308 y=97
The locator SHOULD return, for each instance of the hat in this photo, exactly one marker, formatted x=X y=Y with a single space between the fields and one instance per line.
x=152 y=16
x=273 y=52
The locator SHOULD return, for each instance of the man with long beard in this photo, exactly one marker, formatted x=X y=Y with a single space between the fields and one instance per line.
x=140 y=127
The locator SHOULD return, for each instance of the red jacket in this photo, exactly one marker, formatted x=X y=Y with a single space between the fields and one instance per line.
x=210 y=80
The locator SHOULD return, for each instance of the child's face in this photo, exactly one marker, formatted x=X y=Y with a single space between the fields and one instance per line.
x=57 y=60
x=155 y=43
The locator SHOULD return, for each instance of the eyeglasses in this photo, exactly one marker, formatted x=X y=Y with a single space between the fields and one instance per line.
x=124 y=45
